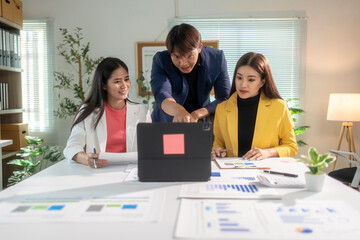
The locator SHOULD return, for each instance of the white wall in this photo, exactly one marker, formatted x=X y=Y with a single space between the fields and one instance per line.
x=332 y=55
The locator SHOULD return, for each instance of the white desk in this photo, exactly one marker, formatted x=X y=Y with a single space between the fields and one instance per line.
x=68 y=178
x=3 y=143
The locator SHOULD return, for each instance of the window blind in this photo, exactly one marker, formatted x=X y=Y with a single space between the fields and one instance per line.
x=281 y=41
x=37 y=62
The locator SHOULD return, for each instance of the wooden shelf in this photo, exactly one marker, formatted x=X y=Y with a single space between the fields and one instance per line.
x=8 y=24
x=4 y=143
x=9 y=154
x=11 y=111
x=10 y=69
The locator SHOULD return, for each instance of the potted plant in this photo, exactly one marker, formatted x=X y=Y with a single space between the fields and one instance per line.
x=295 y=111
x=33 y=159
x=77 y=82
x=315 y=162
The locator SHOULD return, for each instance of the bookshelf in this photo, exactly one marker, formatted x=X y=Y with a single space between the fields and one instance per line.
x=13 y=114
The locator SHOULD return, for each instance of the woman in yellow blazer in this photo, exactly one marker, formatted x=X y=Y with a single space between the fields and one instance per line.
x=254 y=123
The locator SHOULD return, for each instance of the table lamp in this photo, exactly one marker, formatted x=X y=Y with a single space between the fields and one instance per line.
x=344 y=107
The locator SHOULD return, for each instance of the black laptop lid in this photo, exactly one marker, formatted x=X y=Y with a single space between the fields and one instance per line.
x=174 y=151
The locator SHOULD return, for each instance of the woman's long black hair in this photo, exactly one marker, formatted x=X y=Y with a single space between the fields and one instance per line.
x=259 y=63
x=97 y=96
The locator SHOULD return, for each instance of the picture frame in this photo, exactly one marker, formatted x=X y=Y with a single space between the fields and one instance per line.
x=145 y=52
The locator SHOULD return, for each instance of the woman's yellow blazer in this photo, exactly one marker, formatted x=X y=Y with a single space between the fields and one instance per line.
x=274 y=127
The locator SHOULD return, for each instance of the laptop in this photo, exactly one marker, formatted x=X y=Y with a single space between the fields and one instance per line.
x=174 y=151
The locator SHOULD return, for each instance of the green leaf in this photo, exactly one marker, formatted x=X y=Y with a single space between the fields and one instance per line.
x=314 y=155
x=314 y=170
x=300 y=130
x=295 y=111
x=34 y=140
x=20 y=162
x=301 y=143
x=330 y=159
x=323 y=157
x=56 y=156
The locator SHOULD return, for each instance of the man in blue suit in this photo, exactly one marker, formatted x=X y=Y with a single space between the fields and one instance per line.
x=182 y=77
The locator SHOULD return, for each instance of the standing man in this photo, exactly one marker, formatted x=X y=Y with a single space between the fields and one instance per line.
x=182 y=77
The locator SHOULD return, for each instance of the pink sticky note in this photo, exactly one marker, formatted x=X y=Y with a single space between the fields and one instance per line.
x=174 y=143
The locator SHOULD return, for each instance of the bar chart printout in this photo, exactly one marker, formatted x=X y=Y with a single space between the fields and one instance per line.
x=234 y=219
x=227 y=190
x=136 y=207
x=145 y=206
x=219 y=219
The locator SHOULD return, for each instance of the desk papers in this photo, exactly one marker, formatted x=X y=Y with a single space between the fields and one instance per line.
x=142 y=206
x=119 y=158
x=227 y=190
x=239 y=163
x=233 y=219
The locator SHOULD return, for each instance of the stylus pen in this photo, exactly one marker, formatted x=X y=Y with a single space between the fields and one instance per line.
x=281 y=173
x=222 y=150
x=95 y=162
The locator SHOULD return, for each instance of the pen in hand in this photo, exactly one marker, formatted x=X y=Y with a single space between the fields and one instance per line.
x=221 y=150
x=281 y=173
x=95 y=161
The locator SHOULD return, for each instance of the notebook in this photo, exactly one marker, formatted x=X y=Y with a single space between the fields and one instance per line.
x=174 y=151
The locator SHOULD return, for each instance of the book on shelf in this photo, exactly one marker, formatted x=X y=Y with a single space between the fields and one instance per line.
x=9 y=48
x=4 y=96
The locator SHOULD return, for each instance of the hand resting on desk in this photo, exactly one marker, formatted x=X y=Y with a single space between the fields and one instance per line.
x=88 y=159
x=260 y=154
x=253 y=154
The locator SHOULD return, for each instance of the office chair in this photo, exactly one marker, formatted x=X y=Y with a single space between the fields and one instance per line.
x=348 y=175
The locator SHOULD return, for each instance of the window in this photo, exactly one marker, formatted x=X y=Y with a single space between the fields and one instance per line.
x=37 y=61
x=281 y=41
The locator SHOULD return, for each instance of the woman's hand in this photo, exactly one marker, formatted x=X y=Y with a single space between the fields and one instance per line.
x=260 y=154
x=88 y=159
x=217 y=153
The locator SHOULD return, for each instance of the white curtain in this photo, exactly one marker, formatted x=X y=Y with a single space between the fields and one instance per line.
x=37 y=63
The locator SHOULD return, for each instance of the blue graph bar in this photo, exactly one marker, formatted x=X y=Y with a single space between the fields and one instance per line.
x=56 y=207
x=129 y=206
x=234 y=187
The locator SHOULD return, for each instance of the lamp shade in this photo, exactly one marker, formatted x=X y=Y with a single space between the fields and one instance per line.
x=344 y=107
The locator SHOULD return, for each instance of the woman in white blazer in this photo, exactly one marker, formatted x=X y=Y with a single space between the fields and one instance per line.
x=107 y=120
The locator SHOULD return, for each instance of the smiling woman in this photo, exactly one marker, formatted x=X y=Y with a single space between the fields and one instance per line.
x=117 y=88
x=107 y=120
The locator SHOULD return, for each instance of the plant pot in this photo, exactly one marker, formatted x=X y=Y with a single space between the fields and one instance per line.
x=314 y=182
